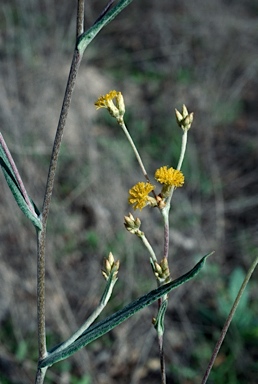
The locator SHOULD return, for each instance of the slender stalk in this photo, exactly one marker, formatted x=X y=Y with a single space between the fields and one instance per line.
x=138 y=157
x=183 y=149
x=179 y=165
x=148 y=246
x=229 y=319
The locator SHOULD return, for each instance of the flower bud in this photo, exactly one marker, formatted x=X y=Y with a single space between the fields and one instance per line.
x=161 y=271
x=120 y=104
x=184 y=119
x=132 y=225
x=111 y=267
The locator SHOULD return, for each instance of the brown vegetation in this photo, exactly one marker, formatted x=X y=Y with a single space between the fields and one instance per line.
x=160 y=54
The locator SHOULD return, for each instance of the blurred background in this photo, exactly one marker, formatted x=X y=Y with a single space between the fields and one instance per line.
x=160 y=54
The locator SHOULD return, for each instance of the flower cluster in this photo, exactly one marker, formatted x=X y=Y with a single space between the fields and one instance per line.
x=168 y=177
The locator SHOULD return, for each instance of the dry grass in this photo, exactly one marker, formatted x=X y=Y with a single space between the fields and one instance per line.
x=160 y=54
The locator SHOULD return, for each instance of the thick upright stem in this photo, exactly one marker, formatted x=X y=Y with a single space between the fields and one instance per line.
x=46 y=205
x=40 y=375
x=59 y=134
x=41 y=236
x=80 y=18
x=41 y=294
x=162 y=360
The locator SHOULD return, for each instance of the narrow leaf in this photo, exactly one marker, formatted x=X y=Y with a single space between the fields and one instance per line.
x=16 y=190
x=102 y=327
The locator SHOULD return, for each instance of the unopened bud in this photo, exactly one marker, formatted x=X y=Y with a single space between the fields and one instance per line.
x=120 y=104
x=111 y=266
x=131 y=224
x=161 y=271
x=184 y=119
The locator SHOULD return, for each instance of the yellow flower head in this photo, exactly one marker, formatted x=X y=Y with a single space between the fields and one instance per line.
x=169 y=176
x=114 y=102
x=138 y=195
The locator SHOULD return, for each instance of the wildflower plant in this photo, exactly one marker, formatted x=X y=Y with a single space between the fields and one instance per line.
x=142 y=195
x=145 y=194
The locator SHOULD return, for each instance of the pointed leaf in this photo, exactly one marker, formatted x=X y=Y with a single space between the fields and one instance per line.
x=16 y=191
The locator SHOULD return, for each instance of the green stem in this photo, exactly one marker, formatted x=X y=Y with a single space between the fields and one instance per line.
x=183 y=149
x=148 y=246
x=229 y=319
x=138 y=157
x=179 y=165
